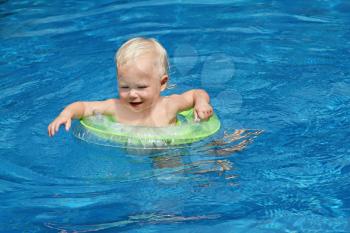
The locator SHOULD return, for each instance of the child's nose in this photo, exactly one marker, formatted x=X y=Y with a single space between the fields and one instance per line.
x=132 y=93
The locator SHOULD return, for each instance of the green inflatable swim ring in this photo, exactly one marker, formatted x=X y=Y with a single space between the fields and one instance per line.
x=184 y=132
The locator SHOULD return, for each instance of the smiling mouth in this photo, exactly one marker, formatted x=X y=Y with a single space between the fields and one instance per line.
x=135 y=104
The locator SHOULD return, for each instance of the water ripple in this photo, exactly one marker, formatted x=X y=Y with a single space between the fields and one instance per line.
x=267 y=65
x=133 y=221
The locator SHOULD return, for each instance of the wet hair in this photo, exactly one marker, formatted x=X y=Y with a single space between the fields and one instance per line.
x=138 y=46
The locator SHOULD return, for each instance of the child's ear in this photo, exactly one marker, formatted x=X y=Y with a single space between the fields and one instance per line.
x=163 y=82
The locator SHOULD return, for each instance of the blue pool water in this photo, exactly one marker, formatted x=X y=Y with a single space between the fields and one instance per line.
x=268 y=65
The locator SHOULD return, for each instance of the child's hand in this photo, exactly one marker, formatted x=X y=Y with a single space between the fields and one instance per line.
x=202 y=111
x=55 y=124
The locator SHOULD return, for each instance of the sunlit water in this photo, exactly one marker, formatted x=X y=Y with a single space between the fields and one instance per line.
x=278 y=76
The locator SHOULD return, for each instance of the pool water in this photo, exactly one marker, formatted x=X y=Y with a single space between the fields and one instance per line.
x=278 y=76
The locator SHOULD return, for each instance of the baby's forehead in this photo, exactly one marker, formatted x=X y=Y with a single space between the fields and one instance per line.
x=150 y=59
x=145 y=64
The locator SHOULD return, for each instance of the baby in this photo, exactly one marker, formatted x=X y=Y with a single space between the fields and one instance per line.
x=142 y=71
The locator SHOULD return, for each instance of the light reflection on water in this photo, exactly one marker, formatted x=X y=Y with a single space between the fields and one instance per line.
x=278 y=77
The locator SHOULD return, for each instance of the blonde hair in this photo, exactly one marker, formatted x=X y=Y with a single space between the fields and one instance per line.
x=135 y=47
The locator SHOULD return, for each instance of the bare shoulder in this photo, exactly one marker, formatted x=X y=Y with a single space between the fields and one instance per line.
x=173 y=97
x=172 y=100
x=111 y=105
x=111 y=101
x=180 y=102
x=179 y=97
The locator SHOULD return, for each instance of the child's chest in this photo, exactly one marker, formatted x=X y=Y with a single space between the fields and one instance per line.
x=158 y=118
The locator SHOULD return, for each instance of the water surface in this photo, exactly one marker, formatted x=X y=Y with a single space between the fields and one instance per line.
x=273 y=66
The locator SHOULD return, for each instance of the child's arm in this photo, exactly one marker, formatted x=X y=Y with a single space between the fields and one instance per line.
x=198 y=99
x=79 y=110
x=202 y=108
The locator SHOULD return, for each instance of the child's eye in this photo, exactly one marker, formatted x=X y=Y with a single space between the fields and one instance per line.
x=124 y=87
x=142 y=87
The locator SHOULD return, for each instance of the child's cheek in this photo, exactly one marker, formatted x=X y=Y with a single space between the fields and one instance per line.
x=122 y=95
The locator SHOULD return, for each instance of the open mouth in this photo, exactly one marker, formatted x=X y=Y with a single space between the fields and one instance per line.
x=135 y=104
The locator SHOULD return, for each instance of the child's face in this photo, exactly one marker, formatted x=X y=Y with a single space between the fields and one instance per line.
x=140 y=83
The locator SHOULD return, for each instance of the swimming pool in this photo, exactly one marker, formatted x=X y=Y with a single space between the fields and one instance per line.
x=268 y=66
